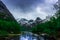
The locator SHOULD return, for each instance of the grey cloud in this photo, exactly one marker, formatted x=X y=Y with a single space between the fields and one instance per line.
x=24 y=5
x=27 y=8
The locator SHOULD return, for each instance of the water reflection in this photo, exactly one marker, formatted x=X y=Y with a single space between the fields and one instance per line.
x=30 y=36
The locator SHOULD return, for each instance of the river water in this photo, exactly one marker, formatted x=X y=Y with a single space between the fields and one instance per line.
x=30 y=36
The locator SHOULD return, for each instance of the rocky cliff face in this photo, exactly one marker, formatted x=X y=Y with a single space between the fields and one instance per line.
x=4 y=12
x=59 y=2
x=57 y=5
x=29 y=23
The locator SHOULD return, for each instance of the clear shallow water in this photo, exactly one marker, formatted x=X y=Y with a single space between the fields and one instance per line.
x=30 y=36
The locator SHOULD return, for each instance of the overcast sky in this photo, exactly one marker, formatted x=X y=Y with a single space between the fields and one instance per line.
x=30 y=9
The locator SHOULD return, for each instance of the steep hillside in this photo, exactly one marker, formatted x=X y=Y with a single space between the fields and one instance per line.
x=4 y=12
x=8 y=24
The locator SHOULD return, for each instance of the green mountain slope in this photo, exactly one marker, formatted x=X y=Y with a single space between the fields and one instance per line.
x=8 y=24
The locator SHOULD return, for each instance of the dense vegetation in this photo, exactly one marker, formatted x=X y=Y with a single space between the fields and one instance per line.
x=49 y=27
x=7 y=25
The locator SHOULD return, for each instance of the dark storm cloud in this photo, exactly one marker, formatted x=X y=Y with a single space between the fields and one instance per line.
x=24 y=5
x=30 y=9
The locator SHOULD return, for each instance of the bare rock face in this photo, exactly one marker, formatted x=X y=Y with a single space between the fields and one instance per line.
x=29 y=23
x=4 y=12
x=59 y=2
x=38 y=20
